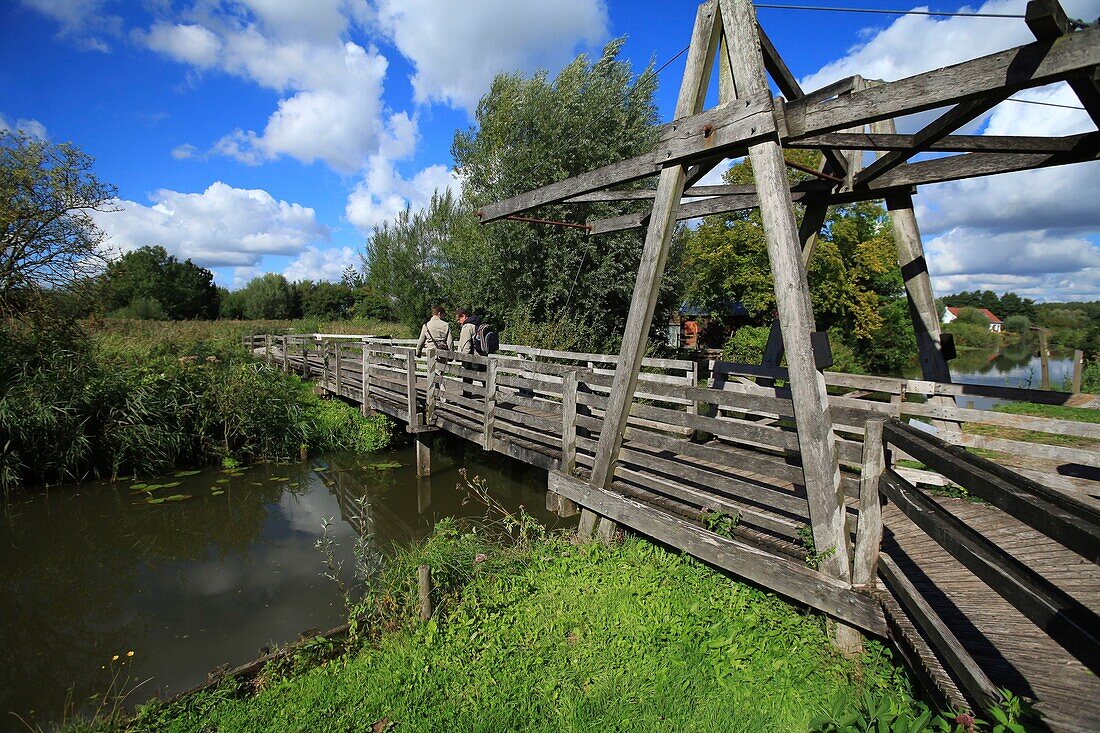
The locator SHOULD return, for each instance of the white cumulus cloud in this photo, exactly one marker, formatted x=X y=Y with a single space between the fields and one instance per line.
x=222 y=226
x=457 y=48
x=32 y=128
x=384 y=193
x=321 y=264
x=86 y=22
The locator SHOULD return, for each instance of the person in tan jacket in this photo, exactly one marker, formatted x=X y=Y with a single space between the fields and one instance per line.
x=435 y=334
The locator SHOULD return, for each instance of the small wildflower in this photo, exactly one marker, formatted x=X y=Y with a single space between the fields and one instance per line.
x=480 y=557
x=966 y=721
x=130 y=653
x=114 y=658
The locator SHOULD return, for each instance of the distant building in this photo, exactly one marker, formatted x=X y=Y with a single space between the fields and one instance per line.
x=995 y=323
x=692 y=327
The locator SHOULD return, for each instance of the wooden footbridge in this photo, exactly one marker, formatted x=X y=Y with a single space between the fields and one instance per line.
x=999 y=590
x=811 y=484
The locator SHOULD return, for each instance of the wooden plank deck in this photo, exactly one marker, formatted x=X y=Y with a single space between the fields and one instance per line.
x=739 y=456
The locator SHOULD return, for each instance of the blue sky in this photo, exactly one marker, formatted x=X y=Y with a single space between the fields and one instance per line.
x=274 y=135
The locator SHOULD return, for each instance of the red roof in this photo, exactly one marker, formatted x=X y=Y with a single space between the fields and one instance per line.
x=984 y=311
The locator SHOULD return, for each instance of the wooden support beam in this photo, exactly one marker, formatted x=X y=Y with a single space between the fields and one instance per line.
x=811 y=405
x=490 y=414
x=1013 y=70
x=783 y=575
x=1048 y=21
x=365 y=406
x=424 y=454
x=934 y=131
x=699 y=136
x=949 y=144
x=662 y=223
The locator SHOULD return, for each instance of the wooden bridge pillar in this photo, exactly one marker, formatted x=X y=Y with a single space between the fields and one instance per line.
x=816 y=440
x=424 y=454
x=662 y=223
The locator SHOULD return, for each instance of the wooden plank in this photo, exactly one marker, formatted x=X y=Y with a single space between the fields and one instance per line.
x=780 y=574
x=869 y=529
x=569 y=424
x=947 y=646
x=410 y=387
x=1081 y=456
x=490 y=405
x=1013 y=70
x=1063 y=618
x=1060 y=517
x=1022 y=422
x=670 y=186
x=878 y=139
x=811 y=405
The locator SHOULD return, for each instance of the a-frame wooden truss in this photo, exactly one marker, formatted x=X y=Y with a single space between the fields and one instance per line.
x=842 y=120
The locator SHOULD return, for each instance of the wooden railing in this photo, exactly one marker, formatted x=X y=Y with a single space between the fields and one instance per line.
x=1073 y=524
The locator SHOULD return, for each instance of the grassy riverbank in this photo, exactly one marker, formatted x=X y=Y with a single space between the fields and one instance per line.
x=121 y=398
x=547 y=635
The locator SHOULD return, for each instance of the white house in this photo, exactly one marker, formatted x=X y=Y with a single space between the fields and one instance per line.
x=995 y=323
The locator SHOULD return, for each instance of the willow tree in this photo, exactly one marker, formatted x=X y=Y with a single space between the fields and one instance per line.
x=530 y=132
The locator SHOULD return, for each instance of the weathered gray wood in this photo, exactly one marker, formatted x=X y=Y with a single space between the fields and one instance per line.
x=1044 y=358
x=1082 y=456
x=934 y=131
x=1078 y=369
x=811 y=405
x=364 y=407
x=569 y=423
x=605 y=531
x=586 y=524
x=869 y=529
x=339 y=371
x=690 y=137
x=973 y=165
x=947 y=646
x=490 y=405
x=423 y=455
x=1065 y=619
x=1012 y=70
x=424 y=590
x=780 y=574
x=950 y=144
x=410 y=387
x=670 y=187
x=1047 y=21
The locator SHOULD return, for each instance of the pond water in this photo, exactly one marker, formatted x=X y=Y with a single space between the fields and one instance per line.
x=1015 y=365
x=96 y=570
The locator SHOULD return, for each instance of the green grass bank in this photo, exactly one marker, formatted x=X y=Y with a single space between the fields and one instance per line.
x=549 y=635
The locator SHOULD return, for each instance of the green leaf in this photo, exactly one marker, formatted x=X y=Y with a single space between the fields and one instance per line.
x=181 y=474
x=177 y=497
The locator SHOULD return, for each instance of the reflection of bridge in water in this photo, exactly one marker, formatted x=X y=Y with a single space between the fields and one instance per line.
x=976 y=595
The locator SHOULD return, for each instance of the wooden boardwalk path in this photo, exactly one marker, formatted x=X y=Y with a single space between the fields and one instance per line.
x=979 y=602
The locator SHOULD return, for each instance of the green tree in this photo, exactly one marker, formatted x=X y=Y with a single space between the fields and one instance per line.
x=267 y=297
x=183 y=289
x=48 y=238
x=323 y=299
x=534 y=131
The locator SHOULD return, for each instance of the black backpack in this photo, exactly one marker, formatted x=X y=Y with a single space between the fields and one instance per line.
x=485 y=340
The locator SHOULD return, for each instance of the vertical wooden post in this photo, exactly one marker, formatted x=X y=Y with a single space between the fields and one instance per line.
x=569 y=423
x=410 y=387
x=869 y=529
x=267 y=347
x=306 y=371
x=424 y=591
x=587 y=524
x=365 y=407
x=424 y=454
x=1078 y=370
x=489 y=417
x=1044 y=357
x=285 y=354
x=434 y=384
x=662 y=224
x=339 y=371
x=816 y=439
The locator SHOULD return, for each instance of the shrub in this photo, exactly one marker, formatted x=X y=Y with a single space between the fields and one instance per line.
x=746 y=345
x=142 y=309
x=972 y=316
x=1017 y=324
x=968 y=335
x=1090 y=377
